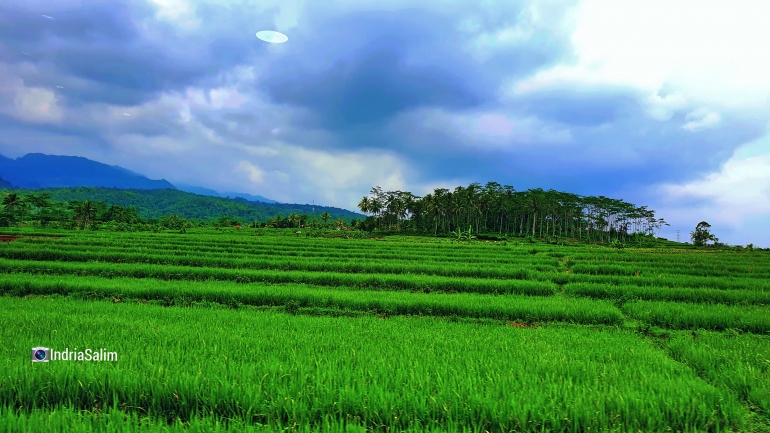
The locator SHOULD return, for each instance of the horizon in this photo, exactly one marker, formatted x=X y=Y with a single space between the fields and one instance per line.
x=662 y=105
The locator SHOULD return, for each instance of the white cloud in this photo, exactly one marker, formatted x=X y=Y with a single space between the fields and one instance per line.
x=37 y=104
x=492 y=130
x=495 y=124
x=29 y=104
x=214 y=99
x=701 y=119
x=255 y=174
x=226 y=98
x=181 y=12
x=710 y=52
x=663 y=107
x=338 y=178
x=150 y=146
x=486 y=40
x=740 y=190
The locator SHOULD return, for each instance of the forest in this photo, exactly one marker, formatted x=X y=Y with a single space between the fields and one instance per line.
x=62 y=207
x=492 y=211
x=494 y=208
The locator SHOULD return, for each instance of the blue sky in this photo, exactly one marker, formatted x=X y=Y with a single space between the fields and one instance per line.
x=659 y=103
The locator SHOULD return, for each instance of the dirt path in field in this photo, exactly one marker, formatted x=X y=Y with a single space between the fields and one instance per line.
x=11 y=238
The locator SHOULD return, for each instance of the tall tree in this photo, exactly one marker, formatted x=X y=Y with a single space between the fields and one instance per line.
x=325 y=217
x=702 y=235
x=85 y=213
x=14 y=203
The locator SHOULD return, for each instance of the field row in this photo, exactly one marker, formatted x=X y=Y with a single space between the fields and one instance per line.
x=294 y=264
x=192 y=258
x=395 y=374
x=510 y=307
x=542 y=263
x=245 y=240
x=335 y=279
x=370 y=254
x=539 y=272
x=567 y=307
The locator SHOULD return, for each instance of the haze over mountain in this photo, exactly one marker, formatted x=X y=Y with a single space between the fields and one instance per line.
x=210 y=192
x=36 y=170
x=5 y=184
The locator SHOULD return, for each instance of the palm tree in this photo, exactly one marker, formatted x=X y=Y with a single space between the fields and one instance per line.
x=534 y=201
x=340 y=223
x=375 y=207
x=85 y=213
x=325 y=216
x=293 y=219
x=13 y=202
x=365 y=205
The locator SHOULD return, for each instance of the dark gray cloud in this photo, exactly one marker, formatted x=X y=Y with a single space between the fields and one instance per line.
x=347 y=99
x=366 y=67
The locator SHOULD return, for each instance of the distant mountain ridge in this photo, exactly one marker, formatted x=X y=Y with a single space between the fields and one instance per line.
x=36 y=170
x=6 y=185
x=163 y=202
x=210 y=192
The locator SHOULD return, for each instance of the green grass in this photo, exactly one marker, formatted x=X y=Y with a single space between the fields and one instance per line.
x=510 y=307
x=277 y=369
x=399 y=334
x=373 y=281
x=662 y=293
x=740 y=363
x=676 y=315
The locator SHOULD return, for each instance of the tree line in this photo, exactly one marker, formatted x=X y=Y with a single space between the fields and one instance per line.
x=155 y=204
x=39 y=210
x=500 y=209
x=489 y=210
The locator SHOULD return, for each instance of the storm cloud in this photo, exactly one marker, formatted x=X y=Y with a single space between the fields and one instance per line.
x=656 y=104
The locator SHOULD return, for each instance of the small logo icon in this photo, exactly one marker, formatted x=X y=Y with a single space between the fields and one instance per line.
x=41 y=354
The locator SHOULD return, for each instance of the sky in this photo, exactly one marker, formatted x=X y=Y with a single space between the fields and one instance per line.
x=658 y=103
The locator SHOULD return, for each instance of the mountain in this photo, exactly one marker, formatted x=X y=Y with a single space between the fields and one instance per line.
x=248 y=197
x=156 y=203
x=4 y=184
x=212 y=193
x=36 y=170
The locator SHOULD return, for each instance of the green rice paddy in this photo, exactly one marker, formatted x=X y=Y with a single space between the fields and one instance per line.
x=229 y=331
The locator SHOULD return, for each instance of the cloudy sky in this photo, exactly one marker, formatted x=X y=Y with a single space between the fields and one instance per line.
x=660 y=103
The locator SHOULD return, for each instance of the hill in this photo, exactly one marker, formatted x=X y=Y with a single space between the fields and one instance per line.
x=4 y=184
x=36 y=170
x=210 y=192
x=156 y=203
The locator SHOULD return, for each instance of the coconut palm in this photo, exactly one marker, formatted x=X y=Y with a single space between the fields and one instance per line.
x=13 y=202
x=365 y=205
x=325 y=216
x=85 y=213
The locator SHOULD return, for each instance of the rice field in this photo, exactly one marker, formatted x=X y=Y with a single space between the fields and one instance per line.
x=234 y=331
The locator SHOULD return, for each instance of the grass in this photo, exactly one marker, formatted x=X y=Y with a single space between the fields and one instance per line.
x=277 y=369
x=733 y=361
x=663 y=293
x=522 y=308
x=678 y=315
x=370 y=280
x=398 y=334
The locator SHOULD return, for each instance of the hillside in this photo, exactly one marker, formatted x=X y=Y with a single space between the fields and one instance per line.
x=210 y=192
x=157 y=203
x=36 y=170
x=4 y=184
